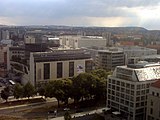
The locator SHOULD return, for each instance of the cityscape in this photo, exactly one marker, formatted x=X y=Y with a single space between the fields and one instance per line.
x=79 y=63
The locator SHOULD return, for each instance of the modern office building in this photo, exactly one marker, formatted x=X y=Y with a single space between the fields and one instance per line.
x=153 y=102
x=110 y=58
x=84 y=41
x=128 y=87
x=135 y=52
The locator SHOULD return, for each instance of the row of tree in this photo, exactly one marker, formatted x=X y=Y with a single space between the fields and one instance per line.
x=18 y=91
x=84 y=86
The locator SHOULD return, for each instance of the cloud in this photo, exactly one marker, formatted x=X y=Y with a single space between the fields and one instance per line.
x=80 y=12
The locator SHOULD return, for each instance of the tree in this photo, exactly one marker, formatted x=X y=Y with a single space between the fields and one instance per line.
x=18 y=91
x=57 y=90
x=67 y=89
x=42 y=90
x=101 y=73
x=29 y=90
x=83 y=86
x=5 y=93
x=67 y=116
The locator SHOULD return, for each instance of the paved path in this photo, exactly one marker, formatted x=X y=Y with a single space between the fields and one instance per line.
x=79 y=114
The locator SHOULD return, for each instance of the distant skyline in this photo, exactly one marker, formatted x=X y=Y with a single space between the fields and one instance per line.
x=102 y=13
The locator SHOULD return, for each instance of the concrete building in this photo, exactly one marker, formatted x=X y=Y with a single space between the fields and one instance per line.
x=153 y=104
x=128 y=87
x=40 y=67
x=135 y=52
x=84 y=41
x=109 y=59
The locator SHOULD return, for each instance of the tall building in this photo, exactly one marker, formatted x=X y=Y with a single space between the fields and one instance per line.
x=128 y=87
x=109 y=59
x=153 y=102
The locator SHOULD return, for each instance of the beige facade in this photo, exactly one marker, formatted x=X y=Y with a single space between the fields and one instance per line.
x=46 y=66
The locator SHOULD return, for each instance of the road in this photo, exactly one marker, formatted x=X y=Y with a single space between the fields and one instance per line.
x=79 y=114
x=19 y=108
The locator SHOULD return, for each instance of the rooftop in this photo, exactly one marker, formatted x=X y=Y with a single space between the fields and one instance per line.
x=156 y=84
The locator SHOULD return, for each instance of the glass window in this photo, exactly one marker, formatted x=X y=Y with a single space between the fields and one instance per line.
x=123 y=84
x=152 y=93
x=151 y=111
x=157 y=94
x=137 y=98
x=118 y=82
x=59 y=70
x=132 y=86
x=46 y=71
x=127 y=85
x=113 y=81
x=132 y=92
x=138 y=92
x=138 y=87
x=71 y=69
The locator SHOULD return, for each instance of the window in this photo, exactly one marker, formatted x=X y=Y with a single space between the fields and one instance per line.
x=59 y=70
x=71 y=69
x=118 y=82
x=122 y=84
x=151 y=111
x=113 y=81
x=138 y=87
x=157 y=94
x=152 y=93
x=138 y=92
x=137 y=98
x=132 y=86
x=151 y=103
x=127 y=85
x=46 y=71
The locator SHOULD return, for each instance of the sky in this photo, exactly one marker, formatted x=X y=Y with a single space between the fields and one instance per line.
x=102 y=13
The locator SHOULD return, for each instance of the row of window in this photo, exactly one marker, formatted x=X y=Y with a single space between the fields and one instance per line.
x=128 y=85
x=59 y=70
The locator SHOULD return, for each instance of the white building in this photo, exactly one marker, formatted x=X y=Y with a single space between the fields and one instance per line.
x=135 y=52
x=83 y=41
x=128 y=87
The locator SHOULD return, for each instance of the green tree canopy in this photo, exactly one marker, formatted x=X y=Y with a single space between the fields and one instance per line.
x=29 y=90
x=18 y=91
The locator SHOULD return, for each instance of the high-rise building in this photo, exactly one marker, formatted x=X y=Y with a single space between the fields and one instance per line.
x=128 y=87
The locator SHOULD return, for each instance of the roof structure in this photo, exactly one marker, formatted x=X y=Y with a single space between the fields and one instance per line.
x=156 y=84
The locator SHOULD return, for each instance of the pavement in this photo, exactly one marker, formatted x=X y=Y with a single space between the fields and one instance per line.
x=98 y=111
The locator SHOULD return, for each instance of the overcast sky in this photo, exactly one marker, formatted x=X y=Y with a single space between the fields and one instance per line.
x=103 y=13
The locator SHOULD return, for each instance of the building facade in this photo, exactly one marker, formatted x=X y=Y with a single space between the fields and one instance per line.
x=109 y=59
x=59 y=64
x=128 y=87
x=153 y=104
